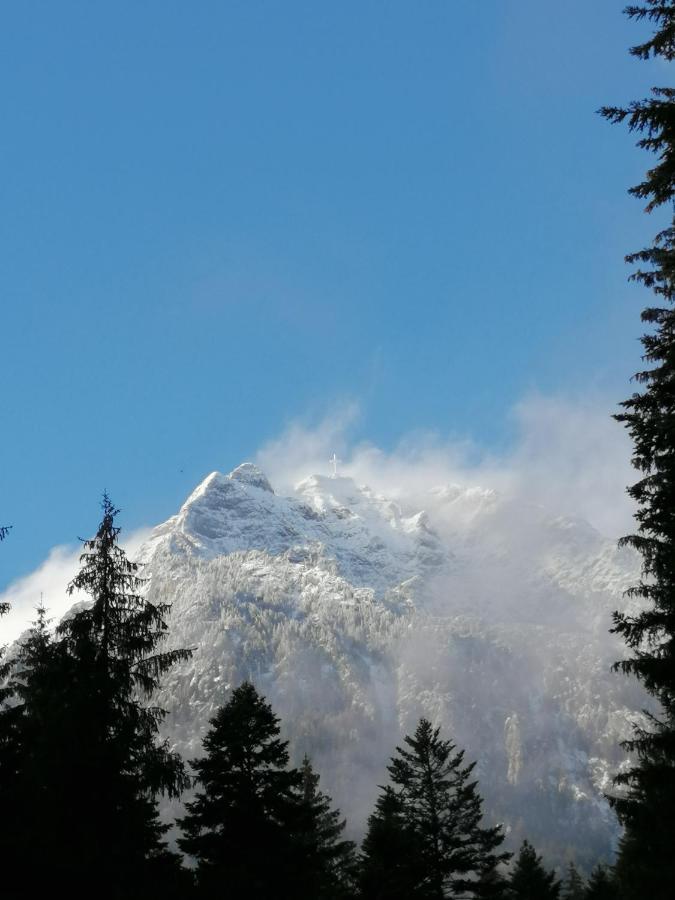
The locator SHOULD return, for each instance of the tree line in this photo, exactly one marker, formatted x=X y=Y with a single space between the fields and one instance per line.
x=82 y=769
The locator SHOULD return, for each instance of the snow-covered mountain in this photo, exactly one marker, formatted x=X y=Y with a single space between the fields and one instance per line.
x=355 y=617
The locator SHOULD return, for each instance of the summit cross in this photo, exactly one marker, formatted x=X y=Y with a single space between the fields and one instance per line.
x=334 y=460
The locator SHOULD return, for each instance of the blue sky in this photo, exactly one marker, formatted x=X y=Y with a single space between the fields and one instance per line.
x=219 y=217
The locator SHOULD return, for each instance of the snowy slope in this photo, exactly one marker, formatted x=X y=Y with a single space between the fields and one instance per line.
x=355 y=617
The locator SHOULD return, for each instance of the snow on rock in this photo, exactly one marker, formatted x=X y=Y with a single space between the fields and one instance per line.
x=249 y=474
x=355 y=617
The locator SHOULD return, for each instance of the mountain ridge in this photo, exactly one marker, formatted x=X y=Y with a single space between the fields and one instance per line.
x=355 y=616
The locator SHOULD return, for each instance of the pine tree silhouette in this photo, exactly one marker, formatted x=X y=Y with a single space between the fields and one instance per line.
x=243 y=824
x=392 y=863
x=432 y=813
x=601 y=885
x=329 y=861
x=529 y=880
x=95 y=763
x=573 y=887
x=13 y=828
x=646 y=863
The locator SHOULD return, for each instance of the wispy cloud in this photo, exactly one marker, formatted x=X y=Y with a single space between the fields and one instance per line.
x=568 y=456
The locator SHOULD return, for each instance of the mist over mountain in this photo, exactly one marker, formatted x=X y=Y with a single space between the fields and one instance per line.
x=355 y=616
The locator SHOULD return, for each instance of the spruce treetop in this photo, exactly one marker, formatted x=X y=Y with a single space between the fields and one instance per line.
x=441 y=806
x=574 y=887
x=127 y=627
x=529 y=879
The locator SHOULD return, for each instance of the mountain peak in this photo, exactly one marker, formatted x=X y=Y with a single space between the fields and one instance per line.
x=250 y=474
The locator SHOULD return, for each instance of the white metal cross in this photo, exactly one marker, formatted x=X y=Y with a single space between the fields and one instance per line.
x=335 y=462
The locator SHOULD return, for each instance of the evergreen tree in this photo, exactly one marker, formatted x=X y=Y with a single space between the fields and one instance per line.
x=492 y=885
x=37 y=734
x=645 y=806
x=529 y=880
x=12 y=797
x=392 y=863
x=441 y=807
x=573 y=887
x=242 y=827
x=32 y=729
x=91 y=750
x=329 y=865
x=601 y=885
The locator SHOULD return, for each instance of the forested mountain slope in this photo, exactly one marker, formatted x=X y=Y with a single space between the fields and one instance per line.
x=355 y=617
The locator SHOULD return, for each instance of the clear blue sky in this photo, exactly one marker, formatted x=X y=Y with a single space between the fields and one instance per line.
x=217 y=216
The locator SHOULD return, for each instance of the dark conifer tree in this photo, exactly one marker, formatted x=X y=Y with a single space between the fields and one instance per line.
x=442 y=808
x=329 y=866
x=12 y=796
x=573 y=887
x=492 y=885
x=645 y=805
x=94 y=757
x=242 y=827
x=392 y=863
x=38 y=723
x=40 y=752
x=529 y=880
x=601 y=885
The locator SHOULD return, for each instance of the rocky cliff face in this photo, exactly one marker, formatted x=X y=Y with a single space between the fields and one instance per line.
x=355 y=617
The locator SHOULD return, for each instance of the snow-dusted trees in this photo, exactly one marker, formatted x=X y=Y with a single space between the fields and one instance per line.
x=433 y=813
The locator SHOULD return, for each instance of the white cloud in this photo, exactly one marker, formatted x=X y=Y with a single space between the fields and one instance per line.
x=573 y=458
x=49 y=581
x=303 y=449
x=568 y=455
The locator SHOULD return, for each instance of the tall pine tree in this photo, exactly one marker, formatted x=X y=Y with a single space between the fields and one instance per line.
x=529 y=880
x=38 y=735
x=645 y=806
x=601 y=885
x=242 y=826
x=13 y=831
x=12 y=795
x=573 y=887
x=441 y=807
x=329 y=866
x=95 y=759
x=392 y=862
